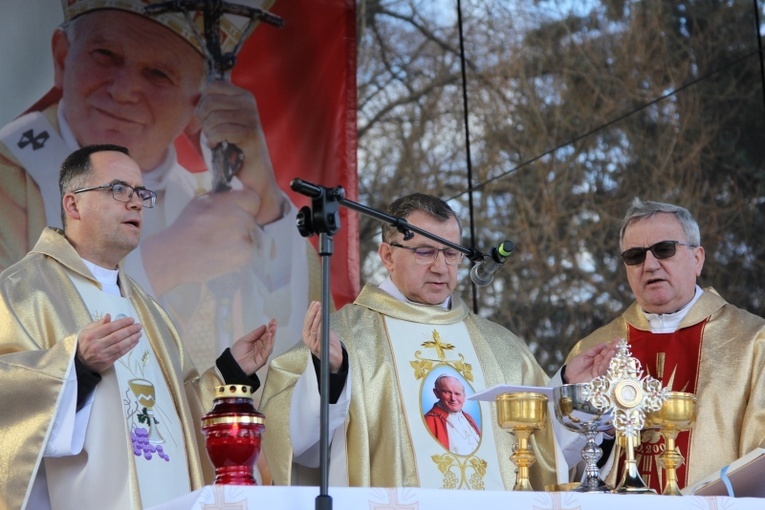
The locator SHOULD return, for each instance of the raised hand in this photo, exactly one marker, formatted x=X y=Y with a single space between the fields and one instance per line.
x=312 y=338
x=228 y=113
x=252 y=350
x=101 y=343
x=591 y=363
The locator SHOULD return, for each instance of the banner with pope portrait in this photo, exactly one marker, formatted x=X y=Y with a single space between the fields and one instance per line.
x=218 y=269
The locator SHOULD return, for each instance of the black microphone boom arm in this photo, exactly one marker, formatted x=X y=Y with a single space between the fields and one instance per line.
x=313 y=190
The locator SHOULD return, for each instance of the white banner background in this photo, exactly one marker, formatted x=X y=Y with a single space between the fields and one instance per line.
x=25 y=31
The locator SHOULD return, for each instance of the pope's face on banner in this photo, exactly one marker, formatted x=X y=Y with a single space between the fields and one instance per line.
x=423 y=283
x=127 y=80
x=450 y=392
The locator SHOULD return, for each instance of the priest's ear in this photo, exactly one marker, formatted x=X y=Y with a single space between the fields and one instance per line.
x=386 y=255
x=70 y=209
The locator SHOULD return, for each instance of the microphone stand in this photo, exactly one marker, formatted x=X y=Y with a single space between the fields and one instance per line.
x=323 y=218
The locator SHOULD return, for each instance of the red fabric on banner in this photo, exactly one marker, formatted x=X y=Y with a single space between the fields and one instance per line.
x=303 y=77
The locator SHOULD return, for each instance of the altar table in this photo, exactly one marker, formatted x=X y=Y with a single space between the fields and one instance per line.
x=234 y=497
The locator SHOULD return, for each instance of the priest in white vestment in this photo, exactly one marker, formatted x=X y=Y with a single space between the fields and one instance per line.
x=386 y=351
x=692 y=340
x=101 y=404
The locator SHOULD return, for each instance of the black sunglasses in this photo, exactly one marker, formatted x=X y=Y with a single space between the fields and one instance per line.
x=661 y=250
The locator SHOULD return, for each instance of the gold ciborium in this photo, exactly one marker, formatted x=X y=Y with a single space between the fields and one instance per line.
x=678 y=414
x=522 y=413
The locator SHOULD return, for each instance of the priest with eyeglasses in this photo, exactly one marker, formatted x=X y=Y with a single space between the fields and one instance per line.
x=101 y=403
x=692 y=340
x=387 y=351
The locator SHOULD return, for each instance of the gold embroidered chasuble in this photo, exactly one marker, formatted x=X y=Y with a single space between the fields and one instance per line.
x=729 y=378
x=41 y=312
x=380 y=445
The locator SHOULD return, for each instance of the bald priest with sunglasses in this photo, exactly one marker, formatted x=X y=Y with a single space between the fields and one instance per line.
x=692 y=340
x=398 y=339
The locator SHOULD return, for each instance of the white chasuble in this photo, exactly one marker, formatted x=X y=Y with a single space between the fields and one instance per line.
x=422 y=353
x=133 y=402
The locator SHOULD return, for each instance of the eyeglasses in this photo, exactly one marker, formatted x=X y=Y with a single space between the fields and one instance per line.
x=661 y=250
x=124 y=193
x=427 y=255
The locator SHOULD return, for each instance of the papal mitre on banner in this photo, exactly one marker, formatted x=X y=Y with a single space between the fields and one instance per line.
x=232 y=27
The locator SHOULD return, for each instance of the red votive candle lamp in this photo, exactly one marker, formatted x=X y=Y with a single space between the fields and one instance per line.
x=233 y=430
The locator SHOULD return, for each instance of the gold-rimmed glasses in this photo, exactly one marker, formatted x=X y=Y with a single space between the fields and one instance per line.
x=428 y=254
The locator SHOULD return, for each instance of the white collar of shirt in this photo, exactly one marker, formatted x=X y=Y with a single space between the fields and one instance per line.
x=106 y=277
x=389 y=287
x=155 y=179
x=669 y=322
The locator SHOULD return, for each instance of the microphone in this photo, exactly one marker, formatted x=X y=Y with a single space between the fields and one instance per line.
x=482 y=274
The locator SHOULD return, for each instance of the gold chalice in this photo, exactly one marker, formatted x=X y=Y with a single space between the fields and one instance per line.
x=522 y=413
x=678 y=414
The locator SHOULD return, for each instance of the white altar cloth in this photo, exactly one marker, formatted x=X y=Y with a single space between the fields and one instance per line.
x=236 y=497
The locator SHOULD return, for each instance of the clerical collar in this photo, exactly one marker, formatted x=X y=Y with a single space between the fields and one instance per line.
x=389 y=287
x=669 y=322
x=106 y=277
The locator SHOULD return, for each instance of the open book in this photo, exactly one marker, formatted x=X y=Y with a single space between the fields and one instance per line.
x=742 y=478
